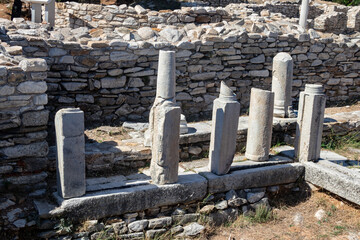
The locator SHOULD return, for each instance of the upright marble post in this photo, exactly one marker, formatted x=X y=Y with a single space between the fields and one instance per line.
x=310 y=123
x=70 y=142
x=225 y=119
x=304 y=11
x=36 y=12
x=260 y=125
x=282 y=77
x=50 y=13
x=165 y=123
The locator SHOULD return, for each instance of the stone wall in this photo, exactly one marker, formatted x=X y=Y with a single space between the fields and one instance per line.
x=115 y=80
x=23 y=125
x=72 y=14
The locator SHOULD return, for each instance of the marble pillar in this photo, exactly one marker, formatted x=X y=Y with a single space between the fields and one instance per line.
x=165 y=124
x=310 y=123
x=36 y=12
x=282 y=77
x=225 y=119
x=183 y=125
x=50 y=13
x=260 y=125
x=70 y=143
x=304 y=13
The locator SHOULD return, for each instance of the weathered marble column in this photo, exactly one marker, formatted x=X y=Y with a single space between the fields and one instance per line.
x=50 y=13
x=310 y=123
x=304 y=13
x=183 y=124
x=36 y=12
x=165 y=123
x=260 y=125
x=225 y=119
x=70 y=142
x=282 y=77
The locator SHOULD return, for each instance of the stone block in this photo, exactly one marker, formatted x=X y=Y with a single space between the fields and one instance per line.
x=32 y=87
x=112 y=82
x=190 y=187
x=70 y=121
x=334 y=178
x=35 y=118
x=70 y=142
x=225 y=118
x=38 y=149
x=254 y=177
x=165 y=142
x=33 y=65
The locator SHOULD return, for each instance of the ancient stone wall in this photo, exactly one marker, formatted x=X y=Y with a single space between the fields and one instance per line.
x=72 y=14
x=23 y=125
x=116 y=80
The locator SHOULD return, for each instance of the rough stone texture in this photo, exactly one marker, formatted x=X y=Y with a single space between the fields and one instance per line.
x=260 y=122
x=226 y=111
x=252 y=178
x=310 y=123
x=190 y=187
x=70 y=141
x=334 y=178
x=165 y=87
x=165 y=142
x=35 y=118
x=33 y=65
x=281 y=85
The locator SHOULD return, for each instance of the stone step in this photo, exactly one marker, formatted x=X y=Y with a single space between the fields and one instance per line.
x=136 y=192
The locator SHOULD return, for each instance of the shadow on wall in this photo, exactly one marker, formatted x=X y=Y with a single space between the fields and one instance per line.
x=76 y=22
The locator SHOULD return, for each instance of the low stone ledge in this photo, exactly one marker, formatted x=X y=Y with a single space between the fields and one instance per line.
x=190 y=187
x=334 y=178
x=254 y=178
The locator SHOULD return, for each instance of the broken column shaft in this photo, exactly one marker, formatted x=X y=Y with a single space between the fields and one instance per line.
x=260 y=125
x=70 y=143
x=165 y=123
x=282 y=77
x=310 y=123
x=225 y=118
x=304 y=11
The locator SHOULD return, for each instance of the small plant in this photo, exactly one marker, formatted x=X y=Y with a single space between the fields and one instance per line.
x=207 y=198
x=338 y=230
x=263 y=214
x=65 y=226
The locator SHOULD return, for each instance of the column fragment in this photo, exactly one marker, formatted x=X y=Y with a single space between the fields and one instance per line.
x=225 y=119
x=282 y=77
x=260 y=125
x=70 y=142
x=165 y=123
x=310 y=123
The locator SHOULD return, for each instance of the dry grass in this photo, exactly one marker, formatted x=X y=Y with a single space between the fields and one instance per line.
x=342 y=220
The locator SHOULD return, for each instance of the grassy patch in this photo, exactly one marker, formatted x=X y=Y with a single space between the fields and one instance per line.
x=335 y=142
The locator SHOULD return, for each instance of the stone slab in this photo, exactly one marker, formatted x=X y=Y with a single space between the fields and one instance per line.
x=254 y=177
x=334 y=179
x=95 y=205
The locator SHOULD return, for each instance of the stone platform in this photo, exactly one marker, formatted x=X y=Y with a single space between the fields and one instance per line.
x=123 y=194
x=332 y=173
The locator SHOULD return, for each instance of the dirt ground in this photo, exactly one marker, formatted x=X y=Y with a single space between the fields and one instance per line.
x=5 y=12
x=348 y=108
x=341 y=221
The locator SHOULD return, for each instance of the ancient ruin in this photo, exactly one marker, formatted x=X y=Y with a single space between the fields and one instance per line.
x=125 y=122
x=260 y=125
x=310 y=120
x=225 y=118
